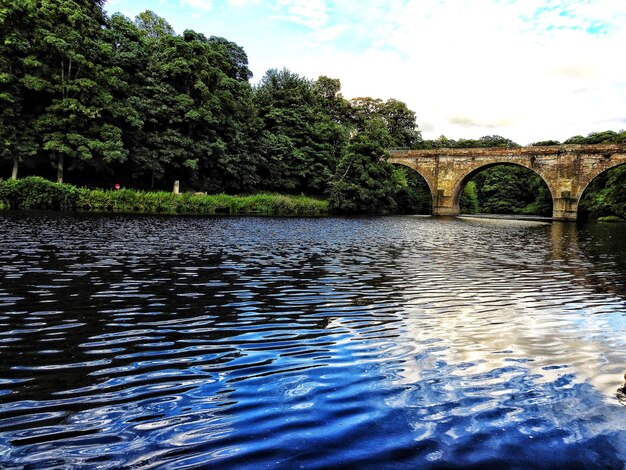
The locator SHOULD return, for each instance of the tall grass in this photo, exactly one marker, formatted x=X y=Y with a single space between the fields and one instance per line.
x=38 y=193
x=127 y=200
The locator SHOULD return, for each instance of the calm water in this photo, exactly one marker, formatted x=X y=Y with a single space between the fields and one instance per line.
x=284 y=343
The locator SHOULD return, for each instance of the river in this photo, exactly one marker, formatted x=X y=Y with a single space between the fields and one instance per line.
x=390 y=342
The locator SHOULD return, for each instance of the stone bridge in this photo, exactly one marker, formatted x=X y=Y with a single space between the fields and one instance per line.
x=566 y=169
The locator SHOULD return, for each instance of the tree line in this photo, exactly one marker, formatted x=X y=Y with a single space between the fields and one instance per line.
x=94 y=100
x=97 y=100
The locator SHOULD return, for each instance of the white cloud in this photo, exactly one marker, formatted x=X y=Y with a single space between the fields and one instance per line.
x=528 y=70
x=329 y=34
x=201 y=4
x=310 y=13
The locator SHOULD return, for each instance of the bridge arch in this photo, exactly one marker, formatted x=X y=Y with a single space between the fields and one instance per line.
x=416 y=196
x=426 y=175
x=463 y=179
x=594 y=175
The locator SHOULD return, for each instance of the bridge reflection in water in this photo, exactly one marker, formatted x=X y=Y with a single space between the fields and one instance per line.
x=550 y=331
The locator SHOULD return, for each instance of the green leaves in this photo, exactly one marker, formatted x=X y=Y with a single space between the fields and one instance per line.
x=133 y=102
x=301 y=141
x=511 y=189
x=605 y=196
x=486 y=141
x=38 y=193
x=397 y=118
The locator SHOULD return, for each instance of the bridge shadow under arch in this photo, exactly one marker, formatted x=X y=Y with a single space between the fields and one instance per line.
x=528 y=186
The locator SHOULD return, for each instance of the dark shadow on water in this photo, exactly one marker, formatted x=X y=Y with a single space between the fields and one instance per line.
x=621 y=393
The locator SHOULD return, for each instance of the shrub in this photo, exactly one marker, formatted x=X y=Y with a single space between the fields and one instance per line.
x=35 y=192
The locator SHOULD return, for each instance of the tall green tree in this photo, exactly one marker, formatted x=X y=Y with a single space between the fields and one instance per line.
x=153 y=26
x=238 y=126
x=17 y=106
x=301 y=140
x=364 y=182
x=195 y=103
x=66 y=68
x=398 y=119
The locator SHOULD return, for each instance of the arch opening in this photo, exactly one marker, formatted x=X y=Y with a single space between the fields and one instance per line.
x=604 y=198
x=414 y=195
x=504 y=188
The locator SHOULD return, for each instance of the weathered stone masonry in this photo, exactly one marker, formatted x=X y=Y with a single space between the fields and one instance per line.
x=566 y=169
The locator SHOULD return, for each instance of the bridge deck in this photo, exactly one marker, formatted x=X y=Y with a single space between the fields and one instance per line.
x=521 y=151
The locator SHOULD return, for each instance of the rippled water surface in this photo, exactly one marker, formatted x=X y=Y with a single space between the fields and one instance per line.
x=283 y=343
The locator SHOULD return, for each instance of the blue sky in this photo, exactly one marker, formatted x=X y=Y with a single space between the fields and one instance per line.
x=525 y=69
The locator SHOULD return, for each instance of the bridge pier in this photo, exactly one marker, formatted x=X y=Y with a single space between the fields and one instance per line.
x=444 y=205
x=565 y=209
x=445 y=211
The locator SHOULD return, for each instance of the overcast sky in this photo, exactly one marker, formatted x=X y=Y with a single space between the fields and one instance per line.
x=528 y=70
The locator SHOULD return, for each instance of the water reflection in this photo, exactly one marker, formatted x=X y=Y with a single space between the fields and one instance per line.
x=141 y=341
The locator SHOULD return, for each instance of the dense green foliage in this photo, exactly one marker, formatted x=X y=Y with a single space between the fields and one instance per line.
x=606 y=195
x=606 y=137
x=469 y=202
x=412 y=195
x=96 y=100
x=38 y=193
x=486 y=141
x=511 y=189
x=160 y=202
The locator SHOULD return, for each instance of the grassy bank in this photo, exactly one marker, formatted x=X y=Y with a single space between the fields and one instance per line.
x=39 y=193
x=611 y=218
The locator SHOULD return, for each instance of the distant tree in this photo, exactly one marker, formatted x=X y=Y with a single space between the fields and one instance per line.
x=510 y=189
x=153 y=26
x=606 y=195
x=605 y=137
x=469 y=203
x=545 y=143
x=440 y=142
x=486 y=141
x=412 y=194
x=399 y=120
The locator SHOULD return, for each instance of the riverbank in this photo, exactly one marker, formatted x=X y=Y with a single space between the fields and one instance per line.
x=39 y=193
